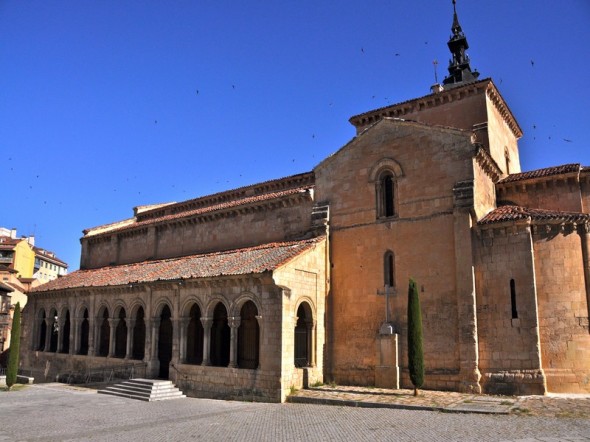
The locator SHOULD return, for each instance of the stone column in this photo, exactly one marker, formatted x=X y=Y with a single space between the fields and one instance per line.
x=129 y=348
x=234 y=323
x=585 y=236
x=75 y=343
x=48 y=333
x=113 y=322
x=207 y=323
x=60 y=330
x=147 y=345
x=260 y=335
x=92 y=336
x=73 y=332
x=183 y=324
x=155 y=333
x=175 y=341
x=311 y=333
x=465 y=289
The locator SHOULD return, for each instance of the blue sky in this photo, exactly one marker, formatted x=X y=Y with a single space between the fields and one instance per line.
x=110 y=104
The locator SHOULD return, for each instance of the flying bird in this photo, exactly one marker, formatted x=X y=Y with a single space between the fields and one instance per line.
x=532 y=63
x=363 y=50
x=567 y=141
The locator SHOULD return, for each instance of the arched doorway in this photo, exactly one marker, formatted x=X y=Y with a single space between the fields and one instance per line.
x=248 y=337
x=121 y=335
x=220 y=337
x=194 y=337
x=65 y=334
x=165 y=342
x=303 y=336
x=105 y=334
x=84 y=333
x=139 y=335
x=42 y=331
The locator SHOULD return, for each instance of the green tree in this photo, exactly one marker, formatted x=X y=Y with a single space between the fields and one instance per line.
x=415 y=340
x=13 y=351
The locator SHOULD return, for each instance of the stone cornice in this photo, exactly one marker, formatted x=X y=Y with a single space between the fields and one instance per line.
x=487 y=163
x=498 y=101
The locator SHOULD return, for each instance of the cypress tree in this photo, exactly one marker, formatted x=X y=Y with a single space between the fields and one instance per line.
x=13 y=351
x=415 y=351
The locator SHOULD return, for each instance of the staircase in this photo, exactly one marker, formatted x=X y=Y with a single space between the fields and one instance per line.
x=145 y=390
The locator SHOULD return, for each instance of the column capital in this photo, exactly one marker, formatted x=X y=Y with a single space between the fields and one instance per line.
x=207 y=322
x=234 y=322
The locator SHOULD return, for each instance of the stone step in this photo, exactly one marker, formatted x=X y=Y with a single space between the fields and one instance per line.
x=145 y=390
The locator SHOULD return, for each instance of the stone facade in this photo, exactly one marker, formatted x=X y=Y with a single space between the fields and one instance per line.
x=250 y=292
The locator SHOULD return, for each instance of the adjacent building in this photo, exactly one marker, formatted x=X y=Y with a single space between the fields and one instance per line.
x=22 y=266
x=249 y=292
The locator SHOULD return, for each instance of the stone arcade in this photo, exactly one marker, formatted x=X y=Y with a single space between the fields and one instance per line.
x=429 y=188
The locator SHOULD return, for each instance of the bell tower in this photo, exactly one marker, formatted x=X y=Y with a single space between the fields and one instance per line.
x=459 y=69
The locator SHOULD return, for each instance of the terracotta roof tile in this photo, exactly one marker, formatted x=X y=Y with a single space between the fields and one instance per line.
x=206 y=209
x=256 y=259
x=541 y=173
x=515 y=213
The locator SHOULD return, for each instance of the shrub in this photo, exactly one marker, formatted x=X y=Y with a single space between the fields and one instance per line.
x=415 y=341
x=12 y=369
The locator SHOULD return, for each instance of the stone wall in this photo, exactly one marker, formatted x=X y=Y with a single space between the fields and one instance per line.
x=563 y=309
x=508 y=339
x=282 y=221
x=548 y=193
x=585 y=191
x=304 y=280
x=427 y=164
x=502 y=140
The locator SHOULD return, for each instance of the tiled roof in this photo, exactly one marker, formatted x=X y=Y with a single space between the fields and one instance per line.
x=207 y=209
x=541 y=173
x=515 y=213
x=245 y=261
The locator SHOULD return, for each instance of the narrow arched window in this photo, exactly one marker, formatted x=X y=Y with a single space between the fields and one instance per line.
x=389 y=269
x=386 y=195
x=513 y=299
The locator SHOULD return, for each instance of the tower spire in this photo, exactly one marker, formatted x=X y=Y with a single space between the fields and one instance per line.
x=459 y=69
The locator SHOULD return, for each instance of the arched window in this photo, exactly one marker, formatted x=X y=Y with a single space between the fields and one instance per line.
x=105 y=334
x=84 y=333
x=303 y=336
x=194 y=337
x=121 y=335
x=220 y=337
x=248 y=337
x=65 y=334
x=386 y=195
x=139 y=335
x=389 y=269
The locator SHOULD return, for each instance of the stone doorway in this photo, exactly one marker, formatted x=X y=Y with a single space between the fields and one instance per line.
x=165 y=343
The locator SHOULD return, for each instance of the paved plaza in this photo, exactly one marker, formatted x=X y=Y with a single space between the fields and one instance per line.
x=55 y=412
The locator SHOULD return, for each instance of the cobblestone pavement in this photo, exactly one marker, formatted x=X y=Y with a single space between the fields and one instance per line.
x=553 y=405
x=52 y=412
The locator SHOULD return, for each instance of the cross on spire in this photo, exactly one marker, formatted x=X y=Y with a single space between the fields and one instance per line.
x=459 y=69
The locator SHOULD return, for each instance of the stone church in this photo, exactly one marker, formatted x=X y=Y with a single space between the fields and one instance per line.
x=250 y=292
